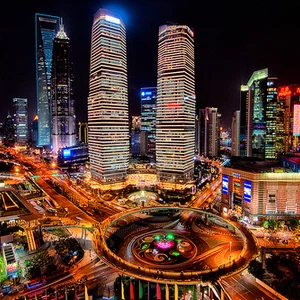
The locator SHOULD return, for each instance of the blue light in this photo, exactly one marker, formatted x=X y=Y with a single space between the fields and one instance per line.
x=247 y=190
x=112 y=19
x=225 y=184
x=66 y=152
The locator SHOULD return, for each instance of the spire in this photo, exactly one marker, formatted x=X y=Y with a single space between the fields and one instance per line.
x=61 y=34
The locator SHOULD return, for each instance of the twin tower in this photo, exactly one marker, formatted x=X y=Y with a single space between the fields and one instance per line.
x=108 y=119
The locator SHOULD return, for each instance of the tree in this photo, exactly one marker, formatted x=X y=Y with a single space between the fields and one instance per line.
x=68 y=249
x=256 y=268
x=39 y=265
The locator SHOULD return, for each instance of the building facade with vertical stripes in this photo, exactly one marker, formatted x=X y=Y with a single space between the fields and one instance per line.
x=175 y=114
x=46 y=27
x=63 y=129
x=108 y=131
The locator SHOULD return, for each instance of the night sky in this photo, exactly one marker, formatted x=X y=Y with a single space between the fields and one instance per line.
x=232 y=40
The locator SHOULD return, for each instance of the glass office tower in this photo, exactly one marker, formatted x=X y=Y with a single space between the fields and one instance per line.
x=260 y=95
x=46 y=28
x=108 y=131
x=175 y=115
x=63 y=112
x=20 y=116
x=148 y=115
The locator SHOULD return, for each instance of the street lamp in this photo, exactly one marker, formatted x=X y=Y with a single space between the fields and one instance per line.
x=230 y=249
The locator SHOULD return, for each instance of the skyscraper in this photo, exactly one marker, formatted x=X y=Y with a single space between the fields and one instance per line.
x=148 y=114
x=211 y=132
x=20 y=116
x=175 y=115
x=261 y=96
x=288 y=119
x=46 y=28
x=235 y=133
x=108 y=131
x=63 y=130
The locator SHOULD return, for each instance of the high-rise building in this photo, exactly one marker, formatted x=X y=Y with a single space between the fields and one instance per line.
x=33 y=131
x=83 y=133
x=108 y=100
x=235 y=133
x=8 y=131
x=201 y=131
x=63 y=130
x=260 y=111
x=20 y=116
x=175 y=114
x=46 y=28
x=211 y=132
x=288 y=119
x=243 y=120
x=135 y=136
x=148 y=115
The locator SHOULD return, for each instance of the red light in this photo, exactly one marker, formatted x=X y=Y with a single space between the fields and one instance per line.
x=284 y=91
x=173 y=105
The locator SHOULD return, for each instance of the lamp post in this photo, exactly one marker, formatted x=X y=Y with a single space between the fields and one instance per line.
x=230 y=250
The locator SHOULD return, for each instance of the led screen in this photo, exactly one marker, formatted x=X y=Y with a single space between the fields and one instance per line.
x=67 y=152
x=247 y=190
x=225 y=184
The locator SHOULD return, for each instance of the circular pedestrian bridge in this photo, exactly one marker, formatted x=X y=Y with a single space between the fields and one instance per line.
x=173 y=244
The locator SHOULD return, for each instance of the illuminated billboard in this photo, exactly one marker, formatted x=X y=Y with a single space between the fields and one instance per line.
x=247 y=190
x=67 y=152
x=225 y=184
x=296 y=122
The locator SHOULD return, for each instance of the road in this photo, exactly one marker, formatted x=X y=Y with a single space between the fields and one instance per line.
x=244 y=287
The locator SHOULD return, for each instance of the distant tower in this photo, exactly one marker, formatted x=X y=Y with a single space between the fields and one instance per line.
x=148 y=115
x=8 y=131
x=235 y=134
x=108 y=100
x=175 y=115
x=33 y=131
x=135 y=135
x=211 y=132
x=201 y=131
x=260 y=95
x=63 y=112
x=46 y=28
x=20 y=116
x=83 y=133
x=288 y=119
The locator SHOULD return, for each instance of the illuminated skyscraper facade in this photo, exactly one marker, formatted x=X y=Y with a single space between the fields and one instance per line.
x=260 y=95
x=288 y=119
x=63 y=131
x=20 y=117
x=148 y=114
x=175 y=114
x=235 y=133
x=108 y=131
x=211 y=132
x=46 y=28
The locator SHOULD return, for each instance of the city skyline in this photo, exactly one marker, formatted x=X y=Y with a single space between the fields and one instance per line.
x=231 y=42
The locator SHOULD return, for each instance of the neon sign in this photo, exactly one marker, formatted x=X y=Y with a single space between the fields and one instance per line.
x=284 y=91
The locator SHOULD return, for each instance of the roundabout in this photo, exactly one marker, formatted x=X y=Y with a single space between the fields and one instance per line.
x=173 y=244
